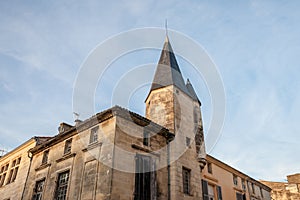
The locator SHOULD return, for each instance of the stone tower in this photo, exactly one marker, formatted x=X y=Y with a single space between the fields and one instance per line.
x=174 y=104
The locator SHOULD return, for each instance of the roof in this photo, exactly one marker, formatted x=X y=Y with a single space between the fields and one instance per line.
x=192 y=92
x=167 y=71
x=36 y=139
x=235 y=171
x=100 y=117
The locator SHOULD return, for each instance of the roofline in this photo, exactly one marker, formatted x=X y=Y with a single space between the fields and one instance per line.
x=189 y=95
x=21 y=146
x=233 y=170
x=101 y=117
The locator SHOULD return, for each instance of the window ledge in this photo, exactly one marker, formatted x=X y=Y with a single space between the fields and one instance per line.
x=147 y=150
x=43 y=166
x=210 y=178
x=92 y=146
x=238 y=189
x=66 y=156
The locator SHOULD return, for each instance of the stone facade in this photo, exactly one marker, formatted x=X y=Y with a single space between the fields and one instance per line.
x=289 y=190
x=101 y=169
x=14 y=168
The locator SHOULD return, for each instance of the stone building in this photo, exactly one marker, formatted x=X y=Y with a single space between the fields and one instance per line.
x=221 y=181
x=289 y=190
x=119 y=155
x=14 y=168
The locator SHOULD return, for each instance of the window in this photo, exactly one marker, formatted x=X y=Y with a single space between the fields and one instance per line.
x=145 y=178
x=253 y=188
x=235 y=180
x=187 y=141
x=219 y=192
x=261 y=192
x=239 y=196
x=195 y=115
x=14 y=170
x=186 y=180
x=68 y=146
x=209 y=168
x=146 y=138
x=211 y=191
x=94 y=135
x=45 y=157
x=3 y=173
x=243 y=184
x=62 y=186
x=38 y=190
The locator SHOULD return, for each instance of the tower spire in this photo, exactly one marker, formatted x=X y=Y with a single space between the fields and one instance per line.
x=166 y=26
x=167 y=71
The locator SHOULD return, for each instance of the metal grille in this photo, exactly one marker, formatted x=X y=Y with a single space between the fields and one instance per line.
x=186 y=177
x=62 y=186
x=38 y=190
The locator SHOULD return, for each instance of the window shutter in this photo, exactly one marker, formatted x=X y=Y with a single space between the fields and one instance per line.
x=219 y=191
x=205 y=190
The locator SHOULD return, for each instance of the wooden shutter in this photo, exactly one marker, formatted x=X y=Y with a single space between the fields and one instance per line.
x=219 y=192
x=205 y=190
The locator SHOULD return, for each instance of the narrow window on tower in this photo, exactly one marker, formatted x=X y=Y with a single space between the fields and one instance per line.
x=187 y=141
x=146 y=138
x=186 y=180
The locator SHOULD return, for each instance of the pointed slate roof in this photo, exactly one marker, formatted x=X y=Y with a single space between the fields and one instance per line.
x=167 y=71
x=192 y=91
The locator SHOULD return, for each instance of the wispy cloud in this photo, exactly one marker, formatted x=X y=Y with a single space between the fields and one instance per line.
x=255 y=44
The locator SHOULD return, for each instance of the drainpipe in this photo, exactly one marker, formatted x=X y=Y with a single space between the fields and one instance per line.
x=168 y=162
x=29 y=154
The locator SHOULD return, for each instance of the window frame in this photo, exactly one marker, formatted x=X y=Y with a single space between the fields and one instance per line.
x=45 y=157
x=38 y=195
x=64 y=187
x=3 y=174
x=94 y=135
x=235 y=180
x=188 y=142
x=209 y=167
x=146 y=137
x=13 y=170
x=186 y=180
x=68 y=146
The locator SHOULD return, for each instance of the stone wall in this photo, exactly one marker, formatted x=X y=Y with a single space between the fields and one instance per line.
x=14 y=190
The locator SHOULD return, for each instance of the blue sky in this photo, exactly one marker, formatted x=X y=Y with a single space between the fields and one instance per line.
x=255 y=44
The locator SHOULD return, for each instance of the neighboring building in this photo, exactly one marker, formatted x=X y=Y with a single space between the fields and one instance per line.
x=289 y=190
x=119 y=155
x=14 y=167
x=221 y=181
